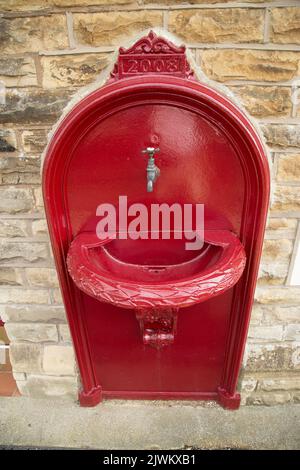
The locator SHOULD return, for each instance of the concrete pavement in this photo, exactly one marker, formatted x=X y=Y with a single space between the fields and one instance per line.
x=146 y=425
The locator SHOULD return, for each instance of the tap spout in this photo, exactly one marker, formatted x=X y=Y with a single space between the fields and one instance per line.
x=152 y=170
x=149 y=186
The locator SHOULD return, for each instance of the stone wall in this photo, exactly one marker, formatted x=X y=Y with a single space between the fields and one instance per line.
x=51 y=48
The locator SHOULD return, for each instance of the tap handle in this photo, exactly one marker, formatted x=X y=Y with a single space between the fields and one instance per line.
x=151 y=151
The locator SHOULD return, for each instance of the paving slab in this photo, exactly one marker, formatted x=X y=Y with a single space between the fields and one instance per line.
x=146 y=425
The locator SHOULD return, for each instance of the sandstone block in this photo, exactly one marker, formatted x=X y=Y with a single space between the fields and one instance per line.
x=33 y=332
x=13 y=252
x=71 y=3
x=20 y=178
x=34 y=5
x=198 y=2
x=34 y=106
x=269 y=66
x=265 y=333
x=274 y=250
x=18 y=72
x=12 y=164
x=13 y=200
x=278 y=295
x=264 y=101
x=10 y=277
x=285 y=25
x=41 y=386
x=218 y=25
x=20 y=5
x=269 y=399
x=282 y=135
x=72 y=70
x=59 y=360
x=281 y=223
x=33 y=34
x=33 y=313
x=267 y=357
x=286 y=198
x=34 y=141
x=26 y=357
x=15 y=295
x=292 y=332
x=275 y=260
x=102 y=29
x=41 y=277
x=273 y=274
x=288 y=168
x=11 y=228
x=279 y=384
x=281 y=227
x=274 y=314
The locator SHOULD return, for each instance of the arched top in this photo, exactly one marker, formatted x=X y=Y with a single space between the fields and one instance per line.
x=189 y=93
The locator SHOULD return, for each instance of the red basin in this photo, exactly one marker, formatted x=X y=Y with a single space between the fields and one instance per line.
x=155 y=273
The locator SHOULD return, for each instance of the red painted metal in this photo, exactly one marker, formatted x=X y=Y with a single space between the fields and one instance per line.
x=115 y=271
x=158 y=325
x=152 y=54
x=155 y=277
x=210 y=154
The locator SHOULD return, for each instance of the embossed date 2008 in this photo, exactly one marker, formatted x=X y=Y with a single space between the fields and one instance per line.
x=152 y=65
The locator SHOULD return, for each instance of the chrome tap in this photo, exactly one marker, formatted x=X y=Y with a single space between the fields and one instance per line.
x=152 y=170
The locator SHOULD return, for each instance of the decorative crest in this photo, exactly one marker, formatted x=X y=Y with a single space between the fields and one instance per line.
x=152 y=55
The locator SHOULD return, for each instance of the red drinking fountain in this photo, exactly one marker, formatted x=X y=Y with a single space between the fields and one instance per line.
x=149 y=318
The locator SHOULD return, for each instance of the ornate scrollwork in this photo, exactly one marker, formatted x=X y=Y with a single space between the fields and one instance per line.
x=152 y=55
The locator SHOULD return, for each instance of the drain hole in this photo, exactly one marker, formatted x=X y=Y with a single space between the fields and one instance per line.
x=155 y=269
